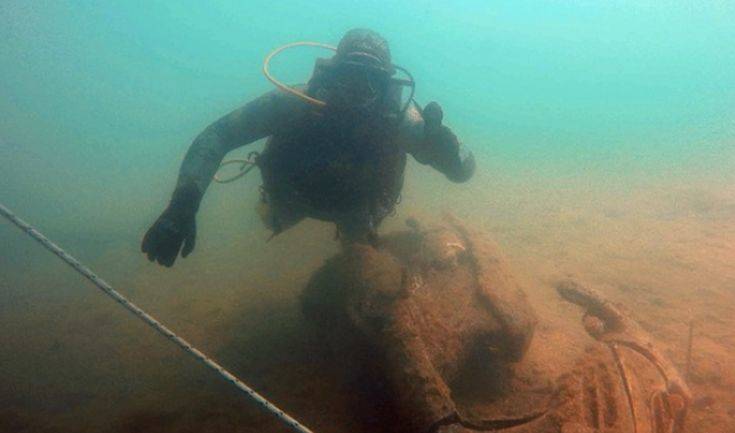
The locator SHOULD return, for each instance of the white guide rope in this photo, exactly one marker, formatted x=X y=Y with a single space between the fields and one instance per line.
x=155 y=324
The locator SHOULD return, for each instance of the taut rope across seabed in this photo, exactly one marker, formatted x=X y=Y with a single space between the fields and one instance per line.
x=150 y=320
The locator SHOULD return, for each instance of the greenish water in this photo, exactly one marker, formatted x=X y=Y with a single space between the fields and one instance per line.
x=594 y=108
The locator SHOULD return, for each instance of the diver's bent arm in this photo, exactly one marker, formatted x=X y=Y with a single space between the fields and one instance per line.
x=253 y=121
x=435 y=144
x=174 y=231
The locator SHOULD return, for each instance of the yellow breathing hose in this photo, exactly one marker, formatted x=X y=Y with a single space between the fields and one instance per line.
x=284 y=87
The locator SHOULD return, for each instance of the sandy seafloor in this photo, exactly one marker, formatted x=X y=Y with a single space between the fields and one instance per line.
x=71 y=360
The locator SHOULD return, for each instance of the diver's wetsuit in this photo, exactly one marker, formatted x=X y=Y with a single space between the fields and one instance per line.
x=326 y=165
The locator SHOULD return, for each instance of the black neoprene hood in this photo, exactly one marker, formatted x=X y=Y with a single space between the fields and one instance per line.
x=365 y=46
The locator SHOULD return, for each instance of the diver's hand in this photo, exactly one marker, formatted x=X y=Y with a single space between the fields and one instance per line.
x=176 y=227
x=433 y=115
x=439 y=138
x=445 y=152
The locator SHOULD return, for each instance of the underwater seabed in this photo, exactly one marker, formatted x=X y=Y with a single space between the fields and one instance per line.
x=73 y=362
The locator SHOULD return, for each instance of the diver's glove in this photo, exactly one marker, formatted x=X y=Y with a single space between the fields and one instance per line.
x=175 y=227
x=449 y=156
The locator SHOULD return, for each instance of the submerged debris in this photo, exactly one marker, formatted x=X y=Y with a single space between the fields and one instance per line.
x=431 y=304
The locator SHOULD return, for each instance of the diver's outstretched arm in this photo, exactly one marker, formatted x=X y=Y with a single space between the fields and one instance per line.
x=176 y=226
x=435 y=144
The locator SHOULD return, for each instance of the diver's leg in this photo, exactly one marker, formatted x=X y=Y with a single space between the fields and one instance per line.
x=276 y=216
x=356 y=227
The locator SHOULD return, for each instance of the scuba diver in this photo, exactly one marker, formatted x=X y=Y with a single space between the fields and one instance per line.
x=336 y=150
